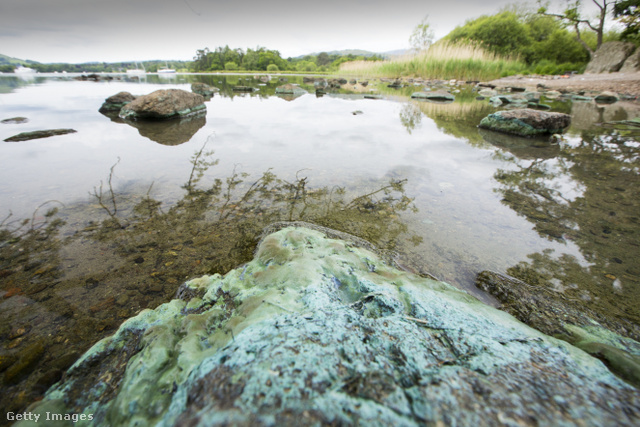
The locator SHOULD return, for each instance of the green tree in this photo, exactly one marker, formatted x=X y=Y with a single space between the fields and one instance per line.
x=627 y=12
x=503 y=33
x=323 y=59
x=230 y=66
x=422 y=36
x=272 y=68
x=572 y=16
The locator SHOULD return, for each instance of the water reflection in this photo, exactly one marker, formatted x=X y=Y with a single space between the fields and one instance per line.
x=520 y=147
x=167 y=132
x=71 y=277
x=589 y=194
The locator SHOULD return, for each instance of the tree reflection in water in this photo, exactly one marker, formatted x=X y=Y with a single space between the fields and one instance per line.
x=588 y=194
x=68 y=281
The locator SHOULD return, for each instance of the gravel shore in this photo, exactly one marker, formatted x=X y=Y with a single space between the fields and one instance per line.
x=622 y=83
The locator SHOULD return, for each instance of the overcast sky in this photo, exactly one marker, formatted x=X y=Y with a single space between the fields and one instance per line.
x=121 y=30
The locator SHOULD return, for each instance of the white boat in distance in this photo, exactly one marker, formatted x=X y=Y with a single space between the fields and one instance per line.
x=136 y=71
x=166 y=69
x=24 y=70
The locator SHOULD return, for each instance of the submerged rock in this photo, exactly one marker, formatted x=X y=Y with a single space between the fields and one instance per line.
x=526 y=122
x=315 y=331
x=116 y=102
x=440 y=96
x=164 y=104
x=554 y=315
x=15 y=121
x=36 y=134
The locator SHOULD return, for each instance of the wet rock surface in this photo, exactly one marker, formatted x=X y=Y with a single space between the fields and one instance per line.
x=316 y=330
x=15 y=121
x=526 y=122
x=164 y=104
x=37 y=134
x=613 y=341
x=116 y=102
x=439 y=96
x=204 y=89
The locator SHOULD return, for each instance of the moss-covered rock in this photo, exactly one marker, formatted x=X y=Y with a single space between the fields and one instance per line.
x=526 y=122
x=204 y=89
x=115 y=102
x=316 y=330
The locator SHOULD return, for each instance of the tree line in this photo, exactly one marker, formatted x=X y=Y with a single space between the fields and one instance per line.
x=263 y=59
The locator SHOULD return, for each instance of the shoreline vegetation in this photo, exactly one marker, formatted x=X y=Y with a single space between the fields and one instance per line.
x=460 y=61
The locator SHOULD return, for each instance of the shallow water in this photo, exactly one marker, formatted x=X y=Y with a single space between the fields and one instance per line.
x=142 y=207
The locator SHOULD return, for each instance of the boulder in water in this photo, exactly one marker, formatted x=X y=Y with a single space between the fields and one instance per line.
x=164 y=104
x=526 y=122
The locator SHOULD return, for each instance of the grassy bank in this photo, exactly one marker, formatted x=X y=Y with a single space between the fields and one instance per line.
x=440 y=61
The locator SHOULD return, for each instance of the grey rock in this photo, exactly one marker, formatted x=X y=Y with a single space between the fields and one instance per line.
x=115 y=102
x=526 y=122
x=440 y=95
x=610 y=57
x=204 y=89
x=164 y=104
x=632 y=63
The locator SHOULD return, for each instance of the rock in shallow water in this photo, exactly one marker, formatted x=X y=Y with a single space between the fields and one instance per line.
x=164 y=104
x=37 y=134
x=116 y=102
x=526 y=122
x=316 y=331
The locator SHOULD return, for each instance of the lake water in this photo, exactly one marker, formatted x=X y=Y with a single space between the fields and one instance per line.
x=142 y=207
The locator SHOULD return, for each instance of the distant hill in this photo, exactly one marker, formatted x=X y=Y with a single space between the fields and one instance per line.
x=360 y=52
x=8 y=60
x=397 y=52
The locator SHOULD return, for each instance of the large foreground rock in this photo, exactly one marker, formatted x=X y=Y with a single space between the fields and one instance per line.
x=526 y=122
x=319 y=331
x=164 y=104
x=610 y=57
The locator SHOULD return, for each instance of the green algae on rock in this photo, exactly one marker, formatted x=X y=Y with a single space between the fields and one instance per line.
x=316 y=330
x=115 y=102
x=526 y=122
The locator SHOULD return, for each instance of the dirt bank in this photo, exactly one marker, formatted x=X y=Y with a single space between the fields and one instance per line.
x=622 y=83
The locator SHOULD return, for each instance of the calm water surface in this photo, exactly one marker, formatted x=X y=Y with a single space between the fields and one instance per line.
x=141 y=207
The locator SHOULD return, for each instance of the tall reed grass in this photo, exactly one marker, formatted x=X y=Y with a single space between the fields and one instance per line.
x=442 y=60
